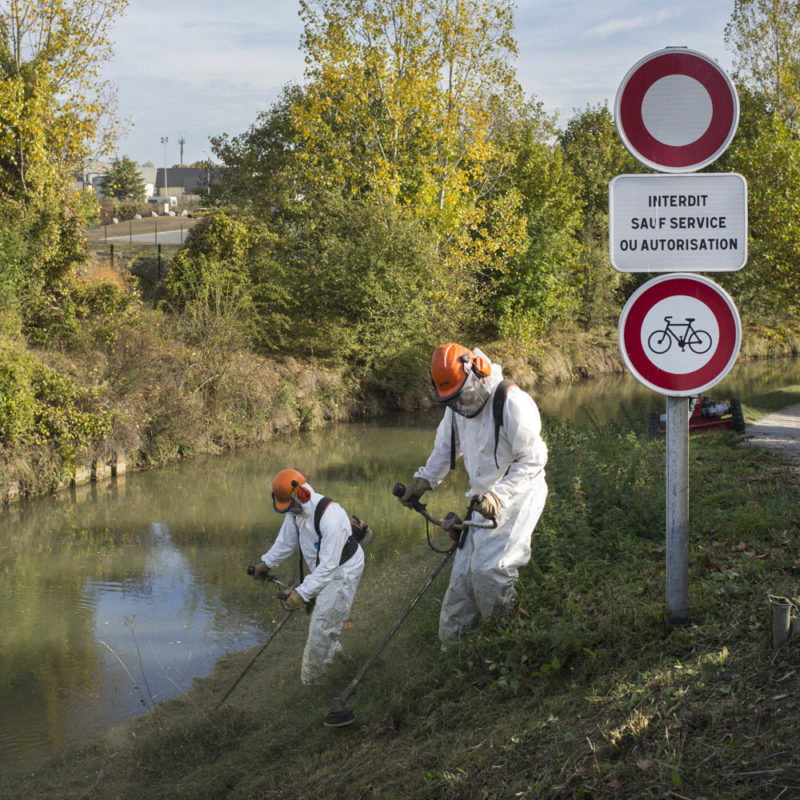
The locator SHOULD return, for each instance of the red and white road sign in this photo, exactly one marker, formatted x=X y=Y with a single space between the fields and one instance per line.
x=676 y=110
x=679 y=334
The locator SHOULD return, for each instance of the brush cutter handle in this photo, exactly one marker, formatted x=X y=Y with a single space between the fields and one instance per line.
x=399 y=490
x=269 y=578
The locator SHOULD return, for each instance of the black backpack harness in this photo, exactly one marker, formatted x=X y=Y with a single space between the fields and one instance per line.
x=359 y=532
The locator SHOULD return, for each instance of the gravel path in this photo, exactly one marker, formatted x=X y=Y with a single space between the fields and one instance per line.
x=780 y=431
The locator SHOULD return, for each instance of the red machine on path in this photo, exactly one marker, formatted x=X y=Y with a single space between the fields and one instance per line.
x=704 y=413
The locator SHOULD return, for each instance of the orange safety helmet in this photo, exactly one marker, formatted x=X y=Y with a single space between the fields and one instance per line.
x=451 y=365
x=288 y=486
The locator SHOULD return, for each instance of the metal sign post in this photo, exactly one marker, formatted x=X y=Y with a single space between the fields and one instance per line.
x=678 y=509
x=677 y=111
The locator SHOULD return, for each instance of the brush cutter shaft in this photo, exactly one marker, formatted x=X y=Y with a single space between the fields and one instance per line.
x=350 y=688
x=284 y=619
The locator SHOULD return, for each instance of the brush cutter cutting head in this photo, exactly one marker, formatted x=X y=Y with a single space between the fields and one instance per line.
x=339 y=716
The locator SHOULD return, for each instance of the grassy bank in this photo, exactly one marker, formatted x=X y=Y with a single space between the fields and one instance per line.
x=147 y=388
x=586 y=693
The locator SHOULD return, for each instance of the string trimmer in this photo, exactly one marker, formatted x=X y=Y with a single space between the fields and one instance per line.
x=340 y=714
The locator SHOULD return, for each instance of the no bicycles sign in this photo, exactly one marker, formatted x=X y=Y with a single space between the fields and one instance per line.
x=679 y=334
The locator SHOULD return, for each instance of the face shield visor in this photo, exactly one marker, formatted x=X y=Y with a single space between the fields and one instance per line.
x=287 y=505
x=470 y=401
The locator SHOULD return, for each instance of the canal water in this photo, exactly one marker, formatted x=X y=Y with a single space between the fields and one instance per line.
x=116 y=596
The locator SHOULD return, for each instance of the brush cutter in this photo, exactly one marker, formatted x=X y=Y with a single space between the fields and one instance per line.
x=340 y=714
x=282 y=595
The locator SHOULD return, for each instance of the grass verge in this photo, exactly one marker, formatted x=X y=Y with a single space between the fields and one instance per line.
x=586 y=693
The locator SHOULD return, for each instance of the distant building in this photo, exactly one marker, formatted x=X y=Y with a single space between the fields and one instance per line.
x=92 y=178
x=181 y=181
x=91 y=174
x=149 y=177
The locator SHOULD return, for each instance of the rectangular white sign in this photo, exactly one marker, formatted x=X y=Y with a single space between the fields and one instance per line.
x=695 y=222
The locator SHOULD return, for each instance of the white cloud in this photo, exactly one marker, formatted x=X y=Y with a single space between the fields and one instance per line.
x=615 y=26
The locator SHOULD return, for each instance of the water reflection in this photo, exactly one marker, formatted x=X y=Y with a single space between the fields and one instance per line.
x=118 y=595
x=622 y=396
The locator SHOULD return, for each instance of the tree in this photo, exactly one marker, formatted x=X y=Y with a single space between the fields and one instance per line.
x=595 y=155
x=401 y=101
x=767 y=153
x=764 y=36
x=123 y=181
x=262 y=172
x=52 y=101
x=52 y=111
x=540 y=286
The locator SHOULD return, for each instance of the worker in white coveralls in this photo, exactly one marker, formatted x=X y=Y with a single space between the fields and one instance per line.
x=333 y=556
x=496 y=427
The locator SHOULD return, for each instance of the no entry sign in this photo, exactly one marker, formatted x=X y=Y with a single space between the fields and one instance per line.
x=679 y=334
x=676 y=110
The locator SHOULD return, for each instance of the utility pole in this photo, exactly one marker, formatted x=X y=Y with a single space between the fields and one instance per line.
x=164 y=140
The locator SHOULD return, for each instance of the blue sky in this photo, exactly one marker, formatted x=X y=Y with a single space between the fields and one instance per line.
x=196 y=69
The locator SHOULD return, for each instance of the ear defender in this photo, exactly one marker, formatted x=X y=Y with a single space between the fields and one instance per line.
x=300 y=492
x=481 y=366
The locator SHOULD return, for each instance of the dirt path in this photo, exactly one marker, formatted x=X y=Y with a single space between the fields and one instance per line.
x=779 y=431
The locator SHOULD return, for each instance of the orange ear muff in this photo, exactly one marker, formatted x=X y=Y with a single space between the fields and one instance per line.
x=482 y=366
x=300 y=492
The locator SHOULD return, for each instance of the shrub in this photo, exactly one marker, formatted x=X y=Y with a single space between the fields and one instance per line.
x=40 y=407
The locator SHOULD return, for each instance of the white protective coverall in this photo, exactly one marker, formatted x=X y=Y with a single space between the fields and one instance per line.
x=333 y=585
x=485 y=569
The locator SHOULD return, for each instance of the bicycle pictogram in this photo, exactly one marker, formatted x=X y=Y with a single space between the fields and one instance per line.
x=698 y=341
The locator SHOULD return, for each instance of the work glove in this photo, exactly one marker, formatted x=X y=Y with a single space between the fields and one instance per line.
x=451 y=524
x=294 y=602
x=260 y=572
x=414 y=491
x=488 y=505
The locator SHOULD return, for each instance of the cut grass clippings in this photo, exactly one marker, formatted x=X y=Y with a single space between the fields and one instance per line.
x=586 y=692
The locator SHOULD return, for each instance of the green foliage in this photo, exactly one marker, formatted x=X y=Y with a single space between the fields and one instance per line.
x=262 y=175
x=401 y=106
x=228 y=283
x=42 y=248
x=602 y=493
x=353 y=280
x=88 y=208
x=596 y=155
x=767 y=153
x=40 y=407
x=68 y=417
x=15 y=259
x=16 y=396
x=366 y=291
x=51 y=98
x=538 y=286
x=764 y=36
x=123 y=181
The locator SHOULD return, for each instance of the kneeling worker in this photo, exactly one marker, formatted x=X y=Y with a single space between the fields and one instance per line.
x=333 y=556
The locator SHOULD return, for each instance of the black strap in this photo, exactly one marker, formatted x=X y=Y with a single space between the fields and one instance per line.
x=452 y=439
x=498 y=401
x=350 y=546
x=318 y=512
